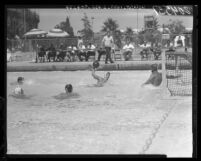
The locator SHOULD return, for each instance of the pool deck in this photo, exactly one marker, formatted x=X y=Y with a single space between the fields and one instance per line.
x=74 y=66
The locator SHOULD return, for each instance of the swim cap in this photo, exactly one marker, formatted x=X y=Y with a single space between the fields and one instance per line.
x=96 y=64
x=154 y=67
x=18 y=90
x=20 y=79
x=69 y=87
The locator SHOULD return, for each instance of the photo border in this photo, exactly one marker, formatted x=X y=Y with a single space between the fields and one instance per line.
x=3 y=99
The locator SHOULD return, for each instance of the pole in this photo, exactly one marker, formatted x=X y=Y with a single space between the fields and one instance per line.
x=24 y=29
x=24 y=23
x=92 y=18
x=137 y=19
x=165 y=92
x=137 y=29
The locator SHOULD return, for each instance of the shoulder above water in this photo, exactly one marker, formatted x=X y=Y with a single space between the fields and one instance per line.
x=62 y=96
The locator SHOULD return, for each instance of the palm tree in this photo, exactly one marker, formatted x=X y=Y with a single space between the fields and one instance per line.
x=112 y=25
x=129 y=34
x=86 y=32
x=155 y=23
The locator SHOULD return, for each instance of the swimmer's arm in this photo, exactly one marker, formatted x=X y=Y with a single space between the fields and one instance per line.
x=149 y=80
x=95 y=76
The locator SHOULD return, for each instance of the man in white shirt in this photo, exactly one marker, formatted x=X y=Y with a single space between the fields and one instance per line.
x=90 y=51
x=72 y=52
x=128 y=50
x=108 y=42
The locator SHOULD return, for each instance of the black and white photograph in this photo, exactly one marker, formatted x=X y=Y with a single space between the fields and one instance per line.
x=100 y=80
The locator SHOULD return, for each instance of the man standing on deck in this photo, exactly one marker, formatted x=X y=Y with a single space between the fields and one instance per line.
x=108 y=42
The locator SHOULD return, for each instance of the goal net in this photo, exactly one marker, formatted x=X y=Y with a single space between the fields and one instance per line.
x=177 y=65
x=179 y=72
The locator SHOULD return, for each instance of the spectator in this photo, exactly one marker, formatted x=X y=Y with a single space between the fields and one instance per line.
x=74 y=53
x=51 y=52
x=62 y=53
x=128 y=50
x=90 y=51
x=108 y=42
x=145 y=51
x=41 y=54
x=157 y=52
x=81 y=52
x=69 y=50
x=9 y=55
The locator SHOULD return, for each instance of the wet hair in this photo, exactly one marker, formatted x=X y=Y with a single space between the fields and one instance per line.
x=154 y=67
x=20 y=79
x=69 y=88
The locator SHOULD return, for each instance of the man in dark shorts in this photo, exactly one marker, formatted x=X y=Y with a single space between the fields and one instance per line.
x=101 y=52
x=108 y=42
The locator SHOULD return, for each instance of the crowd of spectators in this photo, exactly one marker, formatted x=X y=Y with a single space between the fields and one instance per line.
x=83 y=51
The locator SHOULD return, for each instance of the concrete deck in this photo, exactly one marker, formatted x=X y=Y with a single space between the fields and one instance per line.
x=73 y=66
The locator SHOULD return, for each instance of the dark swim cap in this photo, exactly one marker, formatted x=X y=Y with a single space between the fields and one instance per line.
x=20 y=79
x=69 y=87
x=154 y=67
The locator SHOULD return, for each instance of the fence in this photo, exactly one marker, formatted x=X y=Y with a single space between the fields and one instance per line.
x=139 y=54
x=29 y=45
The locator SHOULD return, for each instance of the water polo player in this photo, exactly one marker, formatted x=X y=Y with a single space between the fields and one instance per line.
x=155 y=78
x=68 y=93
x=100 y=81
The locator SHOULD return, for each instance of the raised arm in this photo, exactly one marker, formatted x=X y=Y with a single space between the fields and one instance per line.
x=93 y=74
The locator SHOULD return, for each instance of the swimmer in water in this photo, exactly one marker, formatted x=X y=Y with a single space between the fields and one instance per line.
x=155 y=78
x=18 y=93
x=68 y=93
x=100 y=81
x=20 y=81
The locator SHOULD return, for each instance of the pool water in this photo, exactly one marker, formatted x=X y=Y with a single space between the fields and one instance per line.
x=114 y=119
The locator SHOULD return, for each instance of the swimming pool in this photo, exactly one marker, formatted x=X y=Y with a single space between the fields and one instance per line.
x=114 y=119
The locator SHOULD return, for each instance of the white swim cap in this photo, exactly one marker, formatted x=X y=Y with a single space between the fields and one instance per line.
x=18 y=90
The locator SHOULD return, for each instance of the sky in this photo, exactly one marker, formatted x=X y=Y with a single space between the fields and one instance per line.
x=133 y=18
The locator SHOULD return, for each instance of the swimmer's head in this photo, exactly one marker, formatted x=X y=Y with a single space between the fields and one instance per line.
x=154 y=67
x=68 y=88
x=20 y=80
x=18 y=91
x=107 y=75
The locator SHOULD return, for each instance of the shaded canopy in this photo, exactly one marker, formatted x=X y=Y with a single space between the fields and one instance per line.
x=57 y=33
x=35 y=32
